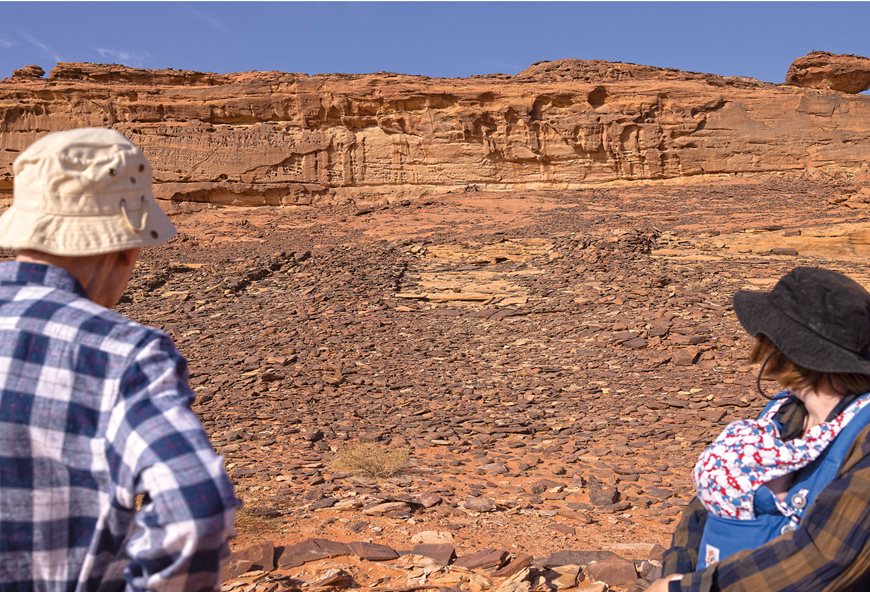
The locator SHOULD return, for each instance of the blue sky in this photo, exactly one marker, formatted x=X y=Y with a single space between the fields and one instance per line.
x=435 y=39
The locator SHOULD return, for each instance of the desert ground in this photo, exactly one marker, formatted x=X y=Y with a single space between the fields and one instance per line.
x=541 y=369
x=469 y=333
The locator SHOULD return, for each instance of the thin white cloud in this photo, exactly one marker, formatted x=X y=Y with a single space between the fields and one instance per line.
x=128 y=58
x=6 y=43
x=41 y=45
x=211 y=20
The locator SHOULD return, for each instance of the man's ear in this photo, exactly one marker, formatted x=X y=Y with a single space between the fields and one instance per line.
x=127 y=257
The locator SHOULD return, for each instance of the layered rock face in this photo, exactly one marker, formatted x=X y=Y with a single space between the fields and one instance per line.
x=277 y=138
x=828 y=71
x=28 y=72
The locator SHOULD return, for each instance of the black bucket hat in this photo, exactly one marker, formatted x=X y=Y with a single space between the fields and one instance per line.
x=819 y=319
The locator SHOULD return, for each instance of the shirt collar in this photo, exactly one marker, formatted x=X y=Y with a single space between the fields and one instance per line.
x=24 y=273
x=792 y=414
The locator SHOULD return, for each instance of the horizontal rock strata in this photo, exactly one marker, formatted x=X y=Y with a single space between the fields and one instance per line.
x=277 y=138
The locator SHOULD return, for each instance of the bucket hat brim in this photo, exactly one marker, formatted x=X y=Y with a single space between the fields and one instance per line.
x=799 y=344
x=80 y=192
x=77 y=236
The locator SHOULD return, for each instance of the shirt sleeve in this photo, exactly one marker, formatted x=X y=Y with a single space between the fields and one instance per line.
x=829 y=551
x=157 y=447
x=682 y=557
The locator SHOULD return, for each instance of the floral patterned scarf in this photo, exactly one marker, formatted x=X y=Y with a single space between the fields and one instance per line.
x=750 y=452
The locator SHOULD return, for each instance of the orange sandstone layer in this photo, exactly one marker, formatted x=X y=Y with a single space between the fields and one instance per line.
x=278 y=138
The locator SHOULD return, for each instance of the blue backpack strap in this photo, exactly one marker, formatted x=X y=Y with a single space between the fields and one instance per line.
x=774 y=400
x=812 y=479
x=724 y=536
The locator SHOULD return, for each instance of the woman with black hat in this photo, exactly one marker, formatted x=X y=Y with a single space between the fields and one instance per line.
x=784 y=500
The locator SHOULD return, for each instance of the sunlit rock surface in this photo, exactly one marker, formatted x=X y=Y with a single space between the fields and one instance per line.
x=279 y=138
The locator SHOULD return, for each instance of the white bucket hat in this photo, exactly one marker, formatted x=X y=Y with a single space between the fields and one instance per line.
x=83 y=192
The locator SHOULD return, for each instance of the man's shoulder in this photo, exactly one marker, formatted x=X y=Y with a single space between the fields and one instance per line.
x=64 y=316
x=108 y=329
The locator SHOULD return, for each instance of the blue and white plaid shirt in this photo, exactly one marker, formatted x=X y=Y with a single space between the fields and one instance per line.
x=95 y=410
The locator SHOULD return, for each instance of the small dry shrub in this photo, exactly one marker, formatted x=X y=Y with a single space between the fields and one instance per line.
x=374 y=460
x=250 y=523
x=696 y=286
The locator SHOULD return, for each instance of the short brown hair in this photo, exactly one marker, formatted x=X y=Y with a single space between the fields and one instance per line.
x=792 y=376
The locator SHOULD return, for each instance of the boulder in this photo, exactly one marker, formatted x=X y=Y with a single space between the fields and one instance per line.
x=26 y=72
x=829 y=71
x=563 y=576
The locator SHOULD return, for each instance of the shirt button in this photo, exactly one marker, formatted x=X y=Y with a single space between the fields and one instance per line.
x=799 y=500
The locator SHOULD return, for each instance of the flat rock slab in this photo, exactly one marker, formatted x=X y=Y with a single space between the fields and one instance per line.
x=563 y=528
x=335 y=579
x=427 y=500
x=485 y=558
x=385 y=508
x=616 y=572
x=520 y=562
x=479 y=504
x=260 y=556
x=310 y=550
x=372 y=551
x=432 y=537
x=575 y=557
x=440 y=553
x=323 y=503
x=332 y=548
x=563 y=576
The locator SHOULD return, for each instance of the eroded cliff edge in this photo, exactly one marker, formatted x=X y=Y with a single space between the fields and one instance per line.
x=280 y=138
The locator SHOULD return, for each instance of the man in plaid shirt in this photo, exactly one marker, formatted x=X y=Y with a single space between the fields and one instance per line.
x=95 y=408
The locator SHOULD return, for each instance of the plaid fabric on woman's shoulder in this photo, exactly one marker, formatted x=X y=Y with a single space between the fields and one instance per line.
x=830 y=552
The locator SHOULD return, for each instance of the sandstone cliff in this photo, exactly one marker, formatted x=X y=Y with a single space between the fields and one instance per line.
x=280 y=138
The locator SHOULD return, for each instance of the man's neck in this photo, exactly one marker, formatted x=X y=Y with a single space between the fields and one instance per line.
x=79 y=269
x=103 y=276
